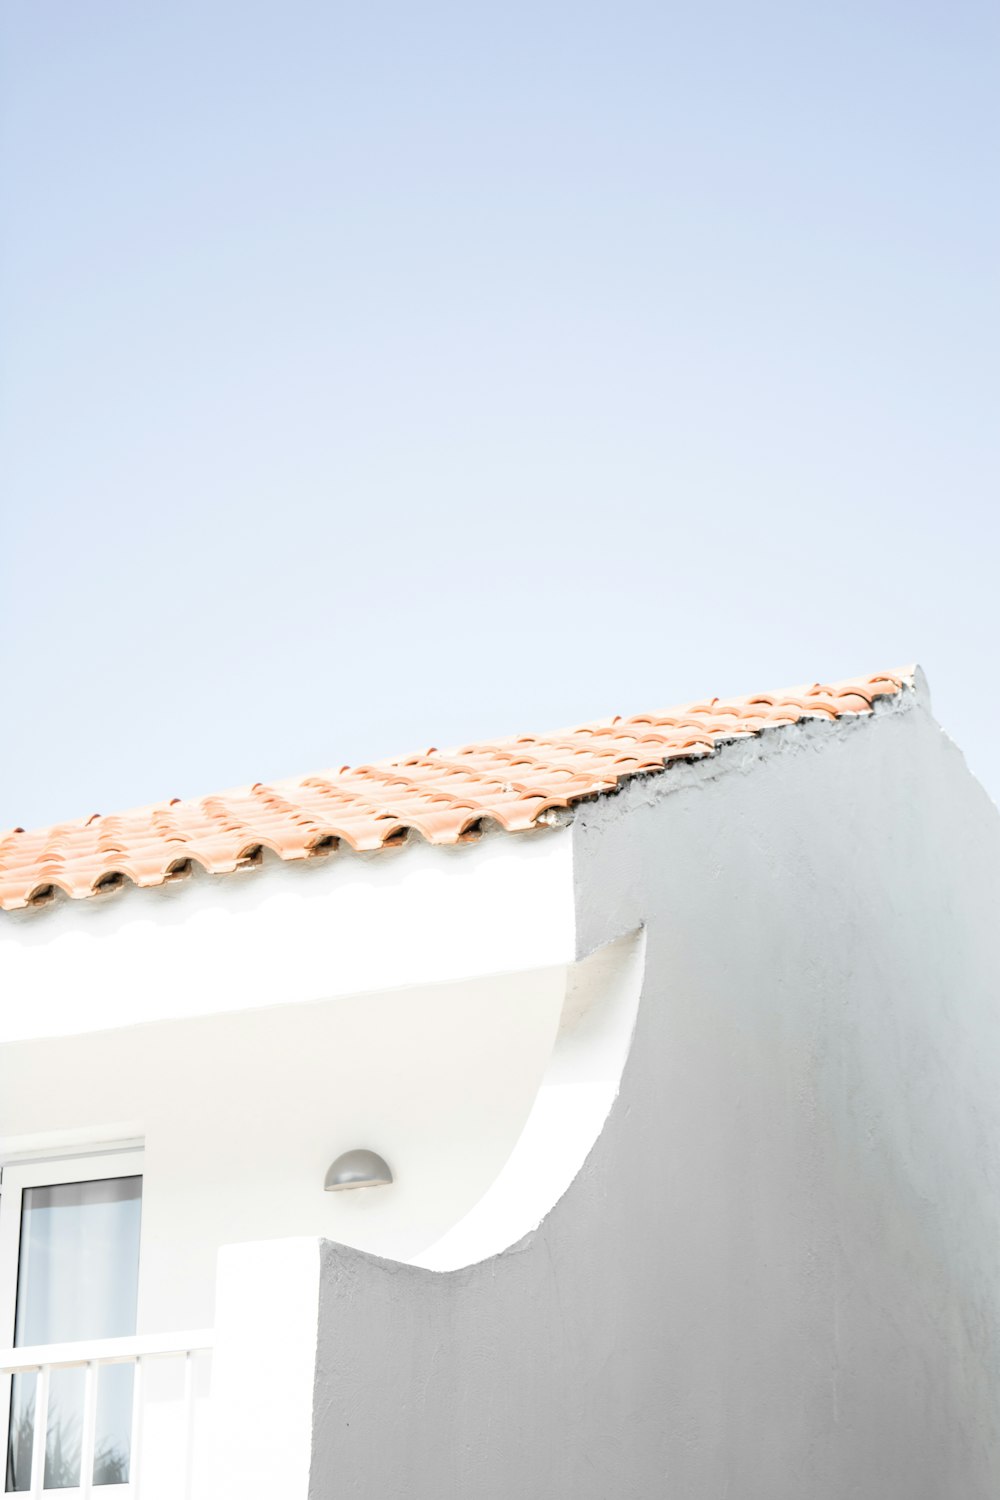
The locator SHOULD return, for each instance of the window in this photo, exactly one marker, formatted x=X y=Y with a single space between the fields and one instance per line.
x=69 y=1271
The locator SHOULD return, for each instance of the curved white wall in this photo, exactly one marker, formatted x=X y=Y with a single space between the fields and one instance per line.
x=572 y=1103
x=778 y=1272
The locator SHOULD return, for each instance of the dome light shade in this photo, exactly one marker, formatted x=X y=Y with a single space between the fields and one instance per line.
x=357 y=1169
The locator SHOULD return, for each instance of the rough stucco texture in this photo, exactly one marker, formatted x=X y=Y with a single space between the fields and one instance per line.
x=778 y=1273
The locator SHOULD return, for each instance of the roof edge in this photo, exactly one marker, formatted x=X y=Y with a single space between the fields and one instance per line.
x=519 y=785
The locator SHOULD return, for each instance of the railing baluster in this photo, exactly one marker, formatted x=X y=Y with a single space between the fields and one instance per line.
x=188 y=1422
x=40 y=1436
x=135 y=1452
x=41 y=1359
x=88 y=1440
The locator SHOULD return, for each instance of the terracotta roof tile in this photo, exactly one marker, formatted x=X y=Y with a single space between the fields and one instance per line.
x=443 y=797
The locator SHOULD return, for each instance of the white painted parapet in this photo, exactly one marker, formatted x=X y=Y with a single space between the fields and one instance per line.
x=264 y=1373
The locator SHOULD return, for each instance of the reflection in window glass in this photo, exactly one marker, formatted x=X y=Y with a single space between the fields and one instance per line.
x=77 y=1278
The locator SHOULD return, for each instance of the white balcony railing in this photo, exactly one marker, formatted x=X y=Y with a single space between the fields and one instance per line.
x=45 y=1359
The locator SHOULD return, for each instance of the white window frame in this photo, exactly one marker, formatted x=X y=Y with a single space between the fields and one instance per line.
x=52 y=1171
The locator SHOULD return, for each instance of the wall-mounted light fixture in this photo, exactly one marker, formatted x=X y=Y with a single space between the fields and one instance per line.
x=357 y=1169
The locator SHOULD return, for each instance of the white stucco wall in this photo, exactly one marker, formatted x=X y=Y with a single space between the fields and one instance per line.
x=306 y=930
x=778 y=1273
x=248 y=1029
x=241 y=1115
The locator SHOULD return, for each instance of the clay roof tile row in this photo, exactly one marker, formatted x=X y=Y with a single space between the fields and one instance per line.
x=445 y=798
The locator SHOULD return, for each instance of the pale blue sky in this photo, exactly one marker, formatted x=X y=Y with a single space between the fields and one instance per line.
x=376 y=376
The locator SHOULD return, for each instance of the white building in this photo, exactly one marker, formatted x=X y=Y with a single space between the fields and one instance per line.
x=680 y=1038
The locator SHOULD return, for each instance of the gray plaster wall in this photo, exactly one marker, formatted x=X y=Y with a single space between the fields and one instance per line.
x=778 y=1272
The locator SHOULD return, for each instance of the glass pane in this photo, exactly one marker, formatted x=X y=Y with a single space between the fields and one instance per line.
x=77 y=1278
x=22 y=1431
